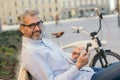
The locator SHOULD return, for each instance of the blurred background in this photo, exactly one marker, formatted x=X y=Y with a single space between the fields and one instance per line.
x=65 y=9
x=58 y=15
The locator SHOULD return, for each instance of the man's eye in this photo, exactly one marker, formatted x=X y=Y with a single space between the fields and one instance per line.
x=32 y=26
x=39 y=25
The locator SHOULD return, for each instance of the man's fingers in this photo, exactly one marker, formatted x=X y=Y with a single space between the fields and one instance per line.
x=80 y=48
x=77 y=49
x=84 y=53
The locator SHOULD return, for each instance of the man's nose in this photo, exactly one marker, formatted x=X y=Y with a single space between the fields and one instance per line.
x=36 y=28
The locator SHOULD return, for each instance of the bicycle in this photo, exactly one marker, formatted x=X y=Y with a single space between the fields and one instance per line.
x=101 y=55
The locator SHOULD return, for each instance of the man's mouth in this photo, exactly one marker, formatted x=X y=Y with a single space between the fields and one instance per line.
x=37 y=32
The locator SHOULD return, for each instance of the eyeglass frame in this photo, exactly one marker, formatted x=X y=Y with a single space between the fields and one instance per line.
x=33 y=25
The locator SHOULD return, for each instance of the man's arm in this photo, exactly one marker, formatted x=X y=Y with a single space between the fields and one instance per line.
x=40 y=70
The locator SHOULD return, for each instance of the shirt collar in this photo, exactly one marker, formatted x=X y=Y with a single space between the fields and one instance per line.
x=26 y=39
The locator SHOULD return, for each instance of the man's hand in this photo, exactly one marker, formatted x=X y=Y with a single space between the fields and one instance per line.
x=82 y=59
x=76 y=53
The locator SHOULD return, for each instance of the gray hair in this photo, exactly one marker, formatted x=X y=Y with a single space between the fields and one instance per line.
x=31 y=12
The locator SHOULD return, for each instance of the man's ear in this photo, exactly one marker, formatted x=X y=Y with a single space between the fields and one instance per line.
x=22 y=29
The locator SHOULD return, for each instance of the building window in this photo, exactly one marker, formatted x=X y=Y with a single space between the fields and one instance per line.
x=50 y=9
x=49 y=1
x=104 y=2
x=29 y=2
x=63 y=4
x=9 y=13
x=67 y=5
x=81 y=13
x=16 y=12
x=15 y=4
x=94 y=2
x=83 y=3
x=3 y=13
x=56 y=9
x=69 y=14
x=89 y=2
x=55 y=1
x=36 y=1
x=2 y=5
x=37 y=10
x=4 y=22
x=99 y=2
x=78 y=3
x=64 y=12
x=43 y=10
x=43 y=1
x=11 y=21
x=22 y=2
x=73 y=4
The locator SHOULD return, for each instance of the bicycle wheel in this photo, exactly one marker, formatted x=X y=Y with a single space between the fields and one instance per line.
x=110 y=56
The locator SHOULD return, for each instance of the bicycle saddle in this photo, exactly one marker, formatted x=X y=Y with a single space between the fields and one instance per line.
x=57 y=34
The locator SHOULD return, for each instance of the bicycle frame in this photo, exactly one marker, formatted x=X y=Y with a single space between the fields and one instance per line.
x=84 y=42
x=99 y=50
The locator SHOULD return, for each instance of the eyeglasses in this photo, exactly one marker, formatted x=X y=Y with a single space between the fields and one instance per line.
x=33 y=25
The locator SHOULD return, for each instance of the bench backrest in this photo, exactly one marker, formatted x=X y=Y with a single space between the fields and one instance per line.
x=24 y=74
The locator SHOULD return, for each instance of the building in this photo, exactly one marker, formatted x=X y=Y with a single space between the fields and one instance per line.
x=10 y=9
x=118 y=6
x=84 y=8
x=48 y=9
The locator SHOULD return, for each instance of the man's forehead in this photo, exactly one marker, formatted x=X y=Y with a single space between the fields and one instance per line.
x=31 y=16
x=28 y=18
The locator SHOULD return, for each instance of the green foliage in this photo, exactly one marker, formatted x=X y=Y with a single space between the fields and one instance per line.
x=10 y=43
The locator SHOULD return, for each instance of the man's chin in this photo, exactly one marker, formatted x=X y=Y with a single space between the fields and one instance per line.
x=37 y=37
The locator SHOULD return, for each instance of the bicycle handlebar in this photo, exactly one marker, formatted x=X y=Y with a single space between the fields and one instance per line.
x=81 y=29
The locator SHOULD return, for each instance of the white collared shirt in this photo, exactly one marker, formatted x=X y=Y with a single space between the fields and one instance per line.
x=46 y=61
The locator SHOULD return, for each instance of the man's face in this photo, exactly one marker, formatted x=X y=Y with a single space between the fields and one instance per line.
x=32 y=27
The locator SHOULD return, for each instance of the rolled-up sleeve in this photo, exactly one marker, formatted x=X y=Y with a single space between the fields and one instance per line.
x=69 y=74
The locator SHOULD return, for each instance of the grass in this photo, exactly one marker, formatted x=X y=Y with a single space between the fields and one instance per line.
x=10 y=44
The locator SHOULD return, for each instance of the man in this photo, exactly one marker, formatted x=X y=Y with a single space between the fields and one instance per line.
x=56 y=19
x=44 y=60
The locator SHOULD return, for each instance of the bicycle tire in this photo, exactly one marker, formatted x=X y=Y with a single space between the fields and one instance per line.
x=94 y=62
